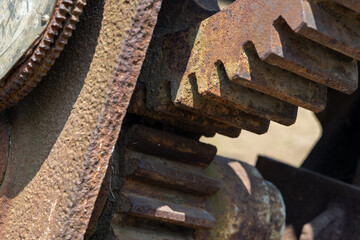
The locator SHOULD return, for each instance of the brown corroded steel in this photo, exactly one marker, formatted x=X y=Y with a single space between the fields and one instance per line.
x=154 y=142
x=167 y=185
x=191 y=100
x=161 y=196
x=174 y=52
x=246 y=206
x=173 y=176
x=281 y=38
x=165 y=65
x=233 y=96
x=329 y=206
x=37 y=63
x=53 y=179
x=179 y=118
x=186 y=216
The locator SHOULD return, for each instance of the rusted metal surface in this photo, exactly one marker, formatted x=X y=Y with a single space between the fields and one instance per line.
x=174 y=53
x=169 y=175
x=160 y=143
x=229 y=71
x=165 y=197
x=315 y=204
x=163 y=181
x=234 y=98
x=30 y=71
x=332 y=25
x=21 y=25
x=170 y=212
x=275 y=44
x=62 y=137
x=223 y=68
x=203 y=74
x=179 y=118
x=246 y=207
x=160 y=72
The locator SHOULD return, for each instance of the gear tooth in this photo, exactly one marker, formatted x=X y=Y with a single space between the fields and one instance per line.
x=30 y=66
x=56 y=53
x=44 y=47
x=62 y=40
x=64 y=9
x=70 y=27
x=333 y=26
x=52 y=33
x=60 y=17
x=74 y=19
x=57 y=25
x=28 y=71
x=41 y=72
x=47 y=40
x=67 y=33
x=68 y=2
x=35 y=59
x=77 y=11
x=39 y=53
x=21 y=79
x=58 y=48
x=81 y=3
x=27 y=79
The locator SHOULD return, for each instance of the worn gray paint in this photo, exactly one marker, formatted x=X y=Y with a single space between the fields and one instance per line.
x=21 y=24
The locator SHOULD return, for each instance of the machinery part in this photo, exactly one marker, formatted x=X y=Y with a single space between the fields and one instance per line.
x=161 y=188
x=61 y=143
x=166 y=180
x=247 y=76
x=62 y=136
x=246 y=206
x=162 y=192
x=330 y=206
x=18 y=83
x=275 y=45
x=178 y=118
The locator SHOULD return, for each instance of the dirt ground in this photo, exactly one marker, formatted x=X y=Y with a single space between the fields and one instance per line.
x=288 y=144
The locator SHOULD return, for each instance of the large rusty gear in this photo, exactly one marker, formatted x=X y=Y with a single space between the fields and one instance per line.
x=255 y=62
x=118 y=156
x=38 y=62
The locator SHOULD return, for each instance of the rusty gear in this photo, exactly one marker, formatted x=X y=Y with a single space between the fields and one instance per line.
x=29 y=73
